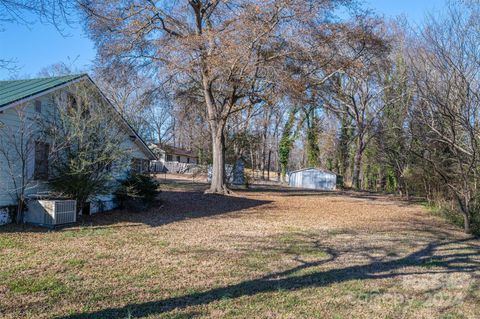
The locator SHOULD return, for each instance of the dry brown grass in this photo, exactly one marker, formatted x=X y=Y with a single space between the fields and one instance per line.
x=262 y=253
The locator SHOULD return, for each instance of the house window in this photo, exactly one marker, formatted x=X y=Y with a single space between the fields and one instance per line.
x=41 y=161
x=75 y=104
x=178 y=158
x=139 y=166
x=38 y=106
x=136 y=166
x=146 y=166
x=169 y=158
x=72 y=102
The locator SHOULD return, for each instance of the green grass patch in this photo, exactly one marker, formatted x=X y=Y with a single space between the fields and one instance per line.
x=75 y=262
x=98 y=295
x=353 y=286
x=392 y=253
x=295 y=244
x=5 y=274
x=306 y=249
x=6 y=242
x=31 y=285
x=186 y=315
x=145 y=238
x=453 y=315
x=103 y=255
x=258 y=260
x=87 y=232
x=431 y=263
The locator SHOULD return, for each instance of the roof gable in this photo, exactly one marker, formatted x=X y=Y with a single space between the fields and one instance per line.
x=17 y=90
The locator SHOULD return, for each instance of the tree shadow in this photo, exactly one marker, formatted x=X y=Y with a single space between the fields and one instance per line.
x=173 y=206
x=354 y=194
x=185 y=199
x=177 y=206
x=457 y=256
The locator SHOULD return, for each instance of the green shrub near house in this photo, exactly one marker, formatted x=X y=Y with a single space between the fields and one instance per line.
x=137 y=192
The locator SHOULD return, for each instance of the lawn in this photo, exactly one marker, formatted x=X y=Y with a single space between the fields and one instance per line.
x=262 y=253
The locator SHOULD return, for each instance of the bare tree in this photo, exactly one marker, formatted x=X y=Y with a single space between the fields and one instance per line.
x=17 y=151
x=56 y=12
x=143 y=103
x=359 y=96
x=445 y=64
x=226 y=49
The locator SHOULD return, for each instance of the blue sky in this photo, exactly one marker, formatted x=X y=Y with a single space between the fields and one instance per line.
x=37 y=46
x=413 y=10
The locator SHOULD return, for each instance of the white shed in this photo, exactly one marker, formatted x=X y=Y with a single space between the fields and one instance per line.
x=313 y=178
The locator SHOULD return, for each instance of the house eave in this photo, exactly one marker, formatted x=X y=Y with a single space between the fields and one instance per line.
x=138 y=140
x=29 y=98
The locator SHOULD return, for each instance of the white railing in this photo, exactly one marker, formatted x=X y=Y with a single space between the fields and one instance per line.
x=157 y=167
x=174 y=167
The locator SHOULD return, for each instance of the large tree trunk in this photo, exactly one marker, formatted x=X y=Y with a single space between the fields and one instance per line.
x=20 y=209
x=269 y=163
x=357 y=163
x=262 y=165
x=465 y=208
x=466 y=224
x=218 y=185
x=217 y=127
x=264 y=144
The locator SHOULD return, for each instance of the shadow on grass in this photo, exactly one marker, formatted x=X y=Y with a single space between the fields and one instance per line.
x=368 y=195
x=185 y=199
x=173 y=206
x=462 y=258
x=177 y=206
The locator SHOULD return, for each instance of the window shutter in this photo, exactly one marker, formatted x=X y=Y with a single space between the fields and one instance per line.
x=136 y=165
x=41 y=160
x=38 y=106
x=146 y=166
x=31 y=160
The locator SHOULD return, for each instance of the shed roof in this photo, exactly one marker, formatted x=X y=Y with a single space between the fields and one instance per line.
x=176 y=150
x=16 y=90
x=314 y=168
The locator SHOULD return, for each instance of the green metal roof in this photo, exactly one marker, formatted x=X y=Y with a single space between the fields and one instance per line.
x=16 y=90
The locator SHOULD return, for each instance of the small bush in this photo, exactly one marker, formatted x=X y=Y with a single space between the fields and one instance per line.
x=452 y=214
x=137 y=192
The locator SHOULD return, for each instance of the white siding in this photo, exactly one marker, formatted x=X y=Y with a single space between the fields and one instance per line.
x=313 y=179
x=183 y=159
x=11 y=124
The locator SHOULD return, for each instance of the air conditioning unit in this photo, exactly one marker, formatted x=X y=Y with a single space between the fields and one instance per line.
x=51 y=213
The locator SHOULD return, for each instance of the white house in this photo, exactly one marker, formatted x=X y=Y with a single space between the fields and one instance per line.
x=23 y=103
x=167 y=153
x=172 y=159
